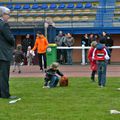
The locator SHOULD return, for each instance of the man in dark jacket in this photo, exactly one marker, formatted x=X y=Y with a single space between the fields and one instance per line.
x=7 y=42
x=26 y=43
x=108 y=42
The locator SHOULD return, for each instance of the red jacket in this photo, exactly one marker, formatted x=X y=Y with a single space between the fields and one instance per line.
x=90 y=52
x=93 y=64
x=100 y=54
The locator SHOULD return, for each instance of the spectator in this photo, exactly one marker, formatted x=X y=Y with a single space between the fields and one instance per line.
x=25 y=43
x=58 y=41
x=69 y=42
x=41 y=45
x=103 y=38
x=64 y=51
x=85 y=41
x=7 y=43
x=109 y=43
x=92 y=38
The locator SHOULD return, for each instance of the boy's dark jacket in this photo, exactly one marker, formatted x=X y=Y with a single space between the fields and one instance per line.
x=19 y=57
x=50 y=72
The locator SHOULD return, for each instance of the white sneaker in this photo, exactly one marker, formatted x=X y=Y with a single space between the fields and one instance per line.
x=114 y=112
x=44 y=87
x=48 y=86
x=101 y=86
x=118 y=88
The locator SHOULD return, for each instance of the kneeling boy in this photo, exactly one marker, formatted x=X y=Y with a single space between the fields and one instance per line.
x=51 y=77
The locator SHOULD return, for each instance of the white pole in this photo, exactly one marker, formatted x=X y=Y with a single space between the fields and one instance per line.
x=83 y=55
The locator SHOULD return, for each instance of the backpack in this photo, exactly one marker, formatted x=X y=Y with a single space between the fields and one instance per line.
x=100 y=54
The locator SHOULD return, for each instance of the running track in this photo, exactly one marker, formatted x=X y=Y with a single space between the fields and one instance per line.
x=68 y=70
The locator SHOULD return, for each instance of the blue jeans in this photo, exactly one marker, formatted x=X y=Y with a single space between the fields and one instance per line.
x=53 y=81
x=69 y=56
x=102 y=66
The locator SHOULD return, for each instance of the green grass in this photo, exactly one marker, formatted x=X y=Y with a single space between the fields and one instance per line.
x=81 y=100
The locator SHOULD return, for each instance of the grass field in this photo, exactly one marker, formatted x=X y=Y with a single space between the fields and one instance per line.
x=82 y=100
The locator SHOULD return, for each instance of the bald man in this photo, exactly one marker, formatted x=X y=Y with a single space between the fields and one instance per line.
x=7 y=42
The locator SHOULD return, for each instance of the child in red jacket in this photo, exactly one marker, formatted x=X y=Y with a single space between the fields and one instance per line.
x=93 y=64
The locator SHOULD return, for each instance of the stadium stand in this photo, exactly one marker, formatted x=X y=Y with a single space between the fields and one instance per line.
x=26 y=7
x=88 y=5
x=97 y=14
x=53 y=6
x=44 y=6
x=35 y=6
x=116 y=17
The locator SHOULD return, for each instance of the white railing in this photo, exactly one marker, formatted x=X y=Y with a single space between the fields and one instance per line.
x=83 y=50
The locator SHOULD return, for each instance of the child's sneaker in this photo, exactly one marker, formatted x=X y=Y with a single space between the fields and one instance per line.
x=19 y=72
x=44 y=87
x=93 y=79
x=48 y=86
x=118 y=88
x=101 y=86
x=41 y=69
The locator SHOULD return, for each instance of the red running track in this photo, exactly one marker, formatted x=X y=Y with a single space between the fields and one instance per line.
x=68 y=70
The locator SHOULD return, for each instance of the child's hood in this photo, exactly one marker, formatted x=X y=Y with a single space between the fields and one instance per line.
x=100 y=46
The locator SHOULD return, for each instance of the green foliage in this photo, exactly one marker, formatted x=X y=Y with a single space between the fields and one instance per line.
x=81 y=100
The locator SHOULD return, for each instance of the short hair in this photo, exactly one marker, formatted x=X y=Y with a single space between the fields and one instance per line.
x=93 y=44
x=4 y=10
x=54 y=65
x=19 y=47
x=38 y=32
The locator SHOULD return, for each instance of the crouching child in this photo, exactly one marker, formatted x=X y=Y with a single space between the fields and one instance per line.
x=52 y=76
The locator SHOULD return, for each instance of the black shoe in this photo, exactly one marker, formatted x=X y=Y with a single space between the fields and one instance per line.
x=92 y=78
x=19 y=72
x=45 y=70
x=41 y=69
x=12 y=97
